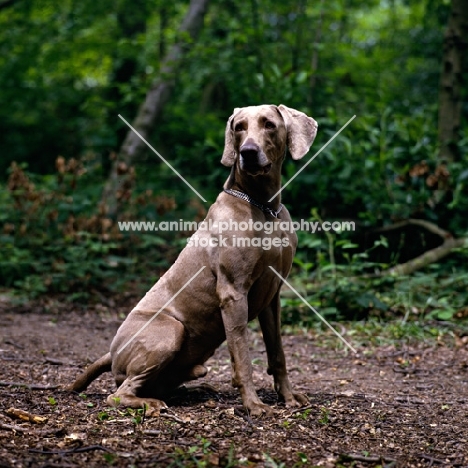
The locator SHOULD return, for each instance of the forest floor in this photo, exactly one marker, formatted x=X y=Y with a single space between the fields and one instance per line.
x=394 y=404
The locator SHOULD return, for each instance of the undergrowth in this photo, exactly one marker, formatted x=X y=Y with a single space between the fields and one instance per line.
x=57 y=239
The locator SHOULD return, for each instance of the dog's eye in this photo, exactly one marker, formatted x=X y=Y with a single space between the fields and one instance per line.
x=239 y=127
x=270 y=125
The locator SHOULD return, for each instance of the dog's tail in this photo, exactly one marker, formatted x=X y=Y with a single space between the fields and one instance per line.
x=103 y=364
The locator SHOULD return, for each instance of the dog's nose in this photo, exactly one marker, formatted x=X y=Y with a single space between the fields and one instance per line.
x=249 y=151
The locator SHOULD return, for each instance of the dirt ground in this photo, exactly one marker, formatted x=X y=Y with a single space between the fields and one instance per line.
x=385 y=407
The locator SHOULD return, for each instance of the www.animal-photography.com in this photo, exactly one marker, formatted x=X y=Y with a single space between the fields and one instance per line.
x=233 y=235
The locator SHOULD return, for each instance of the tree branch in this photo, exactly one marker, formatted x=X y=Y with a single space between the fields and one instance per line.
x=120 y=180
x=431 y=227
x=431 y=256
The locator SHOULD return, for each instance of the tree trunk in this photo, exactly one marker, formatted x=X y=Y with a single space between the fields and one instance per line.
x=120 y=179
x=315 y=57
x=7 y=3
x=450 y=102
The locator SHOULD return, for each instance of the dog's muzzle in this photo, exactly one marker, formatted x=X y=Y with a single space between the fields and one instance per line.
x=253 y=160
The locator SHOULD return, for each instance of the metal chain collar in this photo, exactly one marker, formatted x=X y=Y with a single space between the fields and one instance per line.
x=247 y=198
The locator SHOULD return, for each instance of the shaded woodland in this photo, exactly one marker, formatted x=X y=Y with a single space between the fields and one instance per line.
x=72 y=168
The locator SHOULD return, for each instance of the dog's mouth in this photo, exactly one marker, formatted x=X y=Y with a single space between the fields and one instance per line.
x=267 y=168
x=256 y=169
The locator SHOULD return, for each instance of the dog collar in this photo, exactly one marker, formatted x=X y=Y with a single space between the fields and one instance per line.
x=247 y=198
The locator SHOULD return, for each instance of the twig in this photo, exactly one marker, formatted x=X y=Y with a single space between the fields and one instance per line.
x=412 y=370
x=17 y=359
x=152 y=432
x=12 y=343
x=172 y=416
x=29 y=430
x=13 y=427
x=246 y=417
x=413 y=401
x=404 y=370
x=58 y=362
x=88 y=448
x=431 y=459
x=303 y=408
x=47 y=432
x=160 y=459
x=375 y=459
x=28 y=386
x=26 y=416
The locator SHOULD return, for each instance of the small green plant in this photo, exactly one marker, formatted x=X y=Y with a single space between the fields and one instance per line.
x=324 y=416
x=303 y=414
x=52 y=401
x=231 y=461
x=138 y=415
x=302 y=460
x=205 y=444
x=200 y=455
x=103 y=415
x=110 y=458
x=272 y=463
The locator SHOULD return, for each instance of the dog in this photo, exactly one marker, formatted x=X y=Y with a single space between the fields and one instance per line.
x=216 y=287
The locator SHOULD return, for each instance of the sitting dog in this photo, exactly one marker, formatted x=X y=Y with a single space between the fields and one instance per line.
x=216 y=287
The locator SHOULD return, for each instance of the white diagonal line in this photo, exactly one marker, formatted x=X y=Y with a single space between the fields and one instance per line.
x=316 y=313
x=162 y=308
x=162 y=159
x=313 y=157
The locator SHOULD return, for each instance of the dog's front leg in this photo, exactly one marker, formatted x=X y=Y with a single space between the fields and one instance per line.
x=270 y=322
x=234 y=310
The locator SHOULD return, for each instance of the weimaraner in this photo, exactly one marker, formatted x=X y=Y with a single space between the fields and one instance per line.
x=153 y=354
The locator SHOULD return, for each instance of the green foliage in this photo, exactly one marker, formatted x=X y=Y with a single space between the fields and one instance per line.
x=68 y=69
x=302 y=460
x=303 y=414
x=272 y=463
x=109 y=458
x=200 y=455
x=356 y=287
x=56 y=241
x=324 y=415
x=52 y=401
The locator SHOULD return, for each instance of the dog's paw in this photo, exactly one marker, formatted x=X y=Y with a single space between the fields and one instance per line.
x=153 y=407
x=259 y=409
x=297 y=400
x=294 y=399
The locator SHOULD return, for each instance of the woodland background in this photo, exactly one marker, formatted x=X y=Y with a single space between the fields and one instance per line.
x=70 y=169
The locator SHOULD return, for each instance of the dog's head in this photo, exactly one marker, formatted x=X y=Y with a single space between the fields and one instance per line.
x=257 y=136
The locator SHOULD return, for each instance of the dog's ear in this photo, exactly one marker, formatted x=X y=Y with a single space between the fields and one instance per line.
x=229 y=153
x=301 y=131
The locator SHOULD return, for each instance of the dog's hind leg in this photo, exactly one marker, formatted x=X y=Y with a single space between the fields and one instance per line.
x=126 y=397
x=142 y=363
